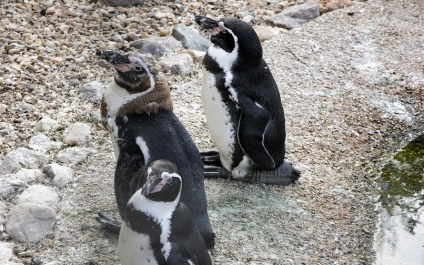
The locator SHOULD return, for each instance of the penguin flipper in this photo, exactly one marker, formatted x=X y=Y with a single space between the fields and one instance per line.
x=176 y=256
x=252 y=129
x=110 y=224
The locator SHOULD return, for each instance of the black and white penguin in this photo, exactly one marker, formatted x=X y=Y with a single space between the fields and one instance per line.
x=158 y=228
x=137 y=110
x=243 y=107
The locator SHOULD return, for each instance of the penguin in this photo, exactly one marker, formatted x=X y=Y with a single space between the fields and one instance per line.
x=137 y=110
x=243 y=107
x=158 y=228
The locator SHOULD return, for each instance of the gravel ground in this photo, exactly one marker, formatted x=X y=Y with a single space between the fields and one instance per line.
x=352 y=84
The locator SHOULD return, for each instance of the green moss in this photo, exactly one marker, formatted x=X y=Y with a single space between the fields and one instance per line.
x=403 y=180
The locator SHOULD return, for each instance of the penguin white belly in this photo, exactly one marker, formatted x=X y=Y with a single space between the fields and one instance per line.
x=218 y=119
x=134 y=248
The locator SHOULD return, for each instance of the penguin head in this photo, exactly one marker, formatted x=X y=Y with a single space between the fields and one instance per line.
x=133 y=73
x=234 y=35
x=163 y=182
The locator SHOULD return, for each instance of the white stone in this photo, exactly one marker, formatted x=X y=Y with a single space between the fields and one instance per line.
x=39 y=194
x=6 y=128
x=41 y=142
x=6 y=252
x=77 y=134
x=9 y=183
x=92 y=91
x=29 y=222
x=3 y=212
x=181 y=64
x=46 y=125
x=73 y=155
x=22 y=158
x=29 y=175
x=3 y=108
x=60 y=175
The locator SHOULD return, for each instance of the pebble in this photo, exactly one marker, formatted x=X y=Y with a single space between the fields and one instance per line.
x=29 y=222
x=158 y=46
x=295 y=16
x=180 y=64
x=190 y=39
x=92 y=91
x=28 y=176
x=73 y=155
x=39 y=194
x=3 y=108
x=41 y=142
x=46 y=125
x=77 y=134
x=60 y=175
x=22 y=158
x=9 y=184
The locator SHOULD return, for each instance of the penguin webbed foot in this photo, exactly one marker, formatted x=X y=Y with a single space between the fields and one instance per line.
x=109 y=223
x=216 y=172
x=284 y=175
x=211 y=158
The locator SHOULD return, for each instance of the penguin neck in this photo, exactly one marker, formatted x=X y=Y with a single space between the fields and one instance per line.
x=156 y=209
x=118 y=101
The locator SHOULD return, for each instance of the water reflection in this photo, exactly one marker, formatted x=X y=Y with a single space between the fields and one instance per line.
x=400 y=229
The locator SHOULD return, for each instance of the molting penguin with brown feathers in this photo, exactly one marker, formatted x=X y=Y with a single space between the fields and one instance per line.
x=243 y=107
x=137 y=110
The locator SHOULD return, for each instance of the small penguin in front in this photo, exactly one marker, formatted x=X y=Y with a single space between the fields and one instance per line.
x=243 y=107
x=158 y=228
x=137 y=110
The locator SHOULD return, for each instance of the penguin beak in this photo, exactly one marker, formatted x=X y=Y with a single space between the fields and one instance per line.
x=205 y=22
x=121 y=62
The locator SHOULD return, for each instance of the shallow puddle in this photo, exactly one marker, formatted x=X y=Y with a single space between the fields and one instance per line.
x=399 y=238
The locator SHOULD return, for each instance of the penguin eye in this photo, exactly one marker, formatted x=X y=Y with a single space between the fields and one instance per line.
x=223 y=31
x=138 y=68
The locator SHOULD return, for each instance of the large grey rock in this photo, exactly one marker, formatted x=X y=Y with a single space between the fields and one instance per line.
x=73 y=155
x=60 y=175
x=190 y=39
x=295 y=16
x=77 y=134
x=121 y=2
x=181 y=64
x=46 y=125
x=30 y=222
x=158 y=46
x=29 y=175
x=41 y=142
x=9 y=184
x=92 y=91
x=22 y=158
x=39 y=194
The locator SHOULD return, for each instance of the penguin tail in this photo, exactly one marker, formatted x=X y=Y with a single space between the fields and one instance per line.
x=110 y=224
x=284 y=175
